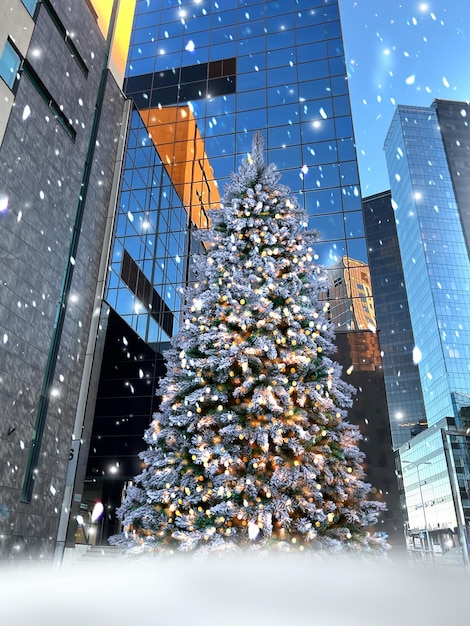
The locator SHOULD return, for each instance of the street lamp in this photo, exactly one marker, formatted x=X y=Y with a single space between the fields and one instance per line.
x=430 y=546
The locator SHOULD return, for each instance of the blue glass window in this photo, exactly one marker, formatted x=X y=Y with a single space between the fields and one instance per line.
x=341 y=105
x=344 y=127
x=348 y=173
x=320 y=152
x=314 y=69
x=278 y=58
x=286 y=135
x=322 y=176
x=354 y=224
x=314 y=88
x=251 y=29
x=312 y=51
x=330 y=226
x=30 y=5
x=323 y=201
x=337 y=66
x=308 y=17
x=346 y=149
x=309 y=35
x=280 y=115
x=286 y=157
x=9 y=65
x=282 y=75
x=318 y=130
x=254 y=12
x=284 y=39
x=252 y=44
x=357 y=249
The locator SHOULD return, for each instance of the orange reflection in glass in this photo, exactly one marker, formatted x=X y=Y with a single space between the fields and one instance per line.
x=180 y=146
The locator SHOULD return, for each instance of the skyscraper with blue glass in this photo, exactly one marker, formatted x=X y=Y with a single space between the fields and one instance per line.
x=204 y=76
x=427 y=151
x=432 y=239
x=404 y=395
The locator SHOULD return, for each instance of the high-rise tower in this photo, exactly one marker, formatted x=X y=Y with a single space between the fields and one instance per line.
x=404 y=395
x=204 y=77
x=427 y=159
x=427 y=151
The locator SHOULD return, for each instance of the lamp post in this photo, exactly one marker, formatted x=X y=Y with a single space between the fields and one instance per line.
x=430 y=546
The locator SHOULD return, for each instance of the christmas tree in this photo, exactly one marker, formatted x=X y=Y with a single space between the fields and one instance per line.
x=250 y=447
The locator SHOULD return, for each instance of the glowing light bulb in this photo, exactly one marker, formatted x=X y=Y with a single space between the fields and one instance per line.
x=253 y=531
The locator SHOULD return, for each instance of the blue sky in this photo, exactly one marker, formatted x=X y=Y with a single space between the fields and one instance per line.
x=407 y=52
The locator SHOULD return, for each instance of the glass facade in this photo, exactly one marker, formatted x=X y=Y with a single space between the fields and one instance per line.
x=148 y=264
x=426 y=155
x=453 y=123
x=434 y=480
x=427 y=485
x=206 y=76
x=435 y=259
x=404 y=396
x=432 y=520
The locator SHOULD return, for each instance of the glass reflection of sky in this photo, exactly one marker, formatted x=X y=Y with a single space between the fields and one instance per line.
x=151 y=228
x=290 y=84
x=434 y=254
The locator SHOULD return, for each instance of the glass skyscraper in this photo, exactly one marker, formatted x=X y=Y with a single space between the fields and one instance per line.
x=404 y=395
x=427 y=158
x=204 y=76
x=434 y=254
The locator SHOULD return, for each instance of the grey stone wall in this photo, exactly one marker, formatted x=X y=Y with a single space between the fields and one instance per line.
x=41 y=171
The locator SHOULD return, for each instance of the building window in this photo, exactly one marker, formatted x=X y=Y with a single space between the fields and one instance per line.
x=30 y=6
x=65 y=36
x=193 y=82
x=59 y=115
x=10 y=62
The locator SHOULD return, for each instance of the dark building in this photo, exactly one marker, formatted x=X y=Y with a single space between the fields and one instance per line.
x=403 y=387
x=454 y=128
x=63 y=118
x=359 y=354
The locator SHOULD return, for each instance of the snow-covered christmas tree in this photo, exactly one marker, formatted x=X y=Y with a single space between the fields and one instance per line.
x=250 y=447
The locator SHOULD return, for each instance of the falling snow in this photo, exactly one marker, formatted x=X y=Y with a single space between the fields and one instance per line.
x=400 y=54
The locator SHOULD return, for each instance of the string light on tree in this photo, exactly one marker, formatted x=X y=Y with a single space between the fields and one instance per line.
x=251 y=448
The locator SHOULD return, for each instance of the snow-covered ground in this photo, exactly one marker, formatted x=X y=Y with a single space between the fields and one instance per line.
x=225 y=591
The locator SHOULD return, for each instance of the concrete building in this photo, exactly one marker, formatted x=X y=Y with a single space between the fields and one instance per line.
x=63 y=119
